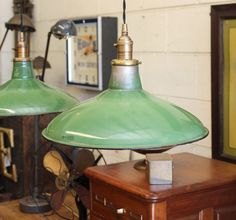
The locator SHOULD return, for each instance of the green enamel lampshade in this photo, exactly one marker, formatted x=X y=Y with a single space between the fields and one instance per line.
x=26 y=95
x=125 y=116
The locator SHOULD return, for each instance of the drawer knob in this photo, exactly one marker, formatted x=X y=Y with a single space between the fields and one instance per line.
x=100 y=199
x=120 y=211
x=117 y=211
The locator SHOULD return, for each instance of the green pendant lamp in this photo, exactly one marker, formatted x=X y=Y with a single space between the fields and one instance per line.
x=125 y=116
x=26 y=95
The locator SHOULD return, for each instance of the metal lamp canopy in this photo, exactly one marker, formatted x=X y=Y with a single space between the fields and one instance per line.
x=20 y=22
x=25 y=95
x=125 y=116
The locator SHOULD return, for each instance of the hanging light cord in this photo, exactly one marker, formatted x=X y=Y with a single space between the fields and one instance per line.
x=21 y=15
x=124 y=12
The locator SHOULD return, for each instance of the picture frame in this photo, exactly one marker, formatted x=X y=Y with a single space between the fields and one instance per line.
x=223 y=79
x=89 y=54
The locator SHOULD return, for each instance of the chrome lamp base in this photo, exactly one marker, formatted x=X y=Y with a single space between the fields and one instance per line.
x=34 y=205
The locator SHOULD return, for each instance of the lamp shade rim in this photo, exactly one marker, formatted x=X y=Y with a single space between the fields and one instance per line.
x=117 y=147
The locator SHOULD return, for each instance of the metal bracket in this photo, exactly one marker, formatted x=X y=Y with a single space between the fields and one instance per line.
x=5 y=152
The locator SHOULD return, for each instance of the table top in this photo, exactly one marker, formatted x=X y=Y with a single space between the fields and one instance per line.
x=190 y=173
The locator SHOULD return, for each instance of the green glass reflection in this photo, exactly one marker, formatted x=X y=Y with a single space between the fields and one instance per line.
x=125 y=117
x=25 y=95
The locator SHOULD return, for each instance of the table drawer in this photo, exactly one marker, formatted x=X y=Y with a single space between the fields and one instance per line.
x=112 y=203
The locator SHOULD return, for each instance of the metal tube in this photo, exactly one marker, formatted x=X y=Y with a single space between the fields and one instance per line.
x=46 y=56
x=36 y=148
x=4 y=38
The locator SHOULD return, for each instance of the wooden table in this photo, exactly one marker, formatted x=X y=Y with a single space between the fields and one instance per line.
x=202 y=189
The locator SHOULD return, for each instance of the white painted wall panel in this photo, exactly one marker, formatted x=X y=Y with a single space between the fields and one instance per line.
x=188 y=29
x=147 y=30
x=203 y=78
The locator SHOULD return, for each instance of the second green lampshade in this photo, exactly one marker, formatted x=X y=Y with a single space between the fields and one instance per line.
x=25 y=95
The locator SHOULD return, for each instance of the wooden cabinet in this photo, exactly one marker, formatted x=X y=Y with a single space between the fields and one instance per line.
x=23 y=154
x=202 y=189
x=226 y=213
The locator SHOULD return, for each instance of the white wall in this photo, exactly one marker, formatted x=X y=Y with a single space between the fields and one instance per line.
x=171 y=38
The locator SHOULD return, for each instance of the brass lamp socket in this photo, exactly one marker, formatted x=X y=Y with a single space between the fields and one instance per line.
x=21 y=50
x=124 y=49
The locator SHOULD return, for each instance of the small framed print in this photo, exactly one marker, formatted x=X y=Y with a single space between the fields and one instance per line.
x=89 y=53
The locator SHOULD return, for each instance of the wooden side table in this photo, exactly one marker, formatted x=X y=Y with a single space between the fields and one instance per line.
x=202 y=189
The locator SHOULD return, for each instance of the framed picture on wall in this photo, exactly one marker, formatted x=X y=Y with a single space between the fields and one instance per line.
x=223 y=75
x=89 y=53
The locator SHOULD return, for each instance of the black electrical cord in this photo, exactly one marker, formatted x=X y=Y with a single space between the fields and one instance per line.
x=124 y=11
x=21 y=15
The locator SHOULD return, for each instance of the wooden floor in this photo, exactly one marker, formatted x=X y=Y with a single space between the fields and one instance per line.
x=10 y=211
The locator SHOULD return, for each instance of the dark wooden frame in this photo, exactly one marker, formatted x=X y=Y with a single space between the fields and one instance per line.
x=219 y=13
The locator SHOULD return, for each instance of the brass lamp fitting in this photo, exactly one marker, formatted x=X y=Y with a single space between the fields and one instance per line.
x=21 y=50
x=124 y=49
